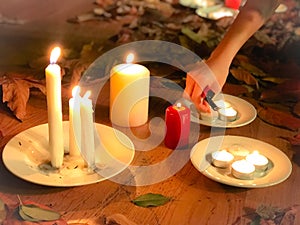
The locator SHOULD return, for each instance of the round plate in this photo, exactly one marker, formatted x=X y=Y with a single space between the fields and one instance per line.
x=200 y=3
x=216 y=12
x=26 y=151
x=279 y=171
x=246 y=114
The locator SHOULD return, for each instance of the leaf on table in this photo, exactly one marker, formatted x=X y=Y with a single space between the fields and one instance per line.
x=288 y=90
x=151 y=199
x=279 y=118
x=290 y=215
x=35 y=213
x=2 y=211
x=296 y=109
x=243 y=75
x=270 y=215
x=244 y=62
x=205 y=34
x=295 y=140
x=275 y=80
x=16 y=91
x=14 y=218
x=263 y=37
x=234 y=89
x=268 y=212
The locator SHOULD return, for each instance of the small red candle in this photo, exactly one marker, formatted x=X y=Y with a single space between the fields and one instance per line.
x=234 y=4
x=177 y=126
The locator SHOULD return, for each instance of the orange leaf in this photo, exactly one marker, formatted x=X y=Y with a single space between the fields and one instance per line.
x=16 y=91
x=279 y=118
x=16 y=94
x=245 y=76
x=296 y=109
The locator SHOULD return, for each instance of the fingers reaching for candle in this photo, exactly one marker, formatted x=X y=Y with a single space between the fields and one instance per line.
x=201 y=75
x=194 y=92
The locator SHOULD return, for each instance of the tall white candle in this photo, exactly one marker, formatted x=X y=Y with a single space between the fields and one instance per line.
x=129 y=94
x=87 y=130
x=74 y=122
x=54 y=105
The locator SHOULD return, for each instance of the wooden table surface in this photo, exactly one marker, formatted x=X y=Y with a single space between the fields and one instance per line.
x=195 y=199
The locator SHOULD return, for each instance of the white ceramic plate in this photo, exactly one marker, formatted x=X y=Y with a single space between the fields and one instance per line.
x=246 y=114
x=26 y=151
x=279 y=170
x=216 y=12
x=199 y=3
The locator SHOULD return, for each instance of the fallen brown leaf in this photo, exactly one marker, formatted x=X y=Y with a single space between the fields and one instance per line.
x=288 y=90
x=296 y=109
x=279 y=118
x=234 y=89
x=245 y=76
x=295 y=140
x=16 y=91
x=244 y=62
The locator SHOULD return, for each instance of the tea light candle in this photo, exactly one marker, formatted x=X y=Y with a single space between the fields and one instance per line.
x=177 y=118
x=129 y=93
x=87 y=130
x=222 y=104
x=227 y=114
x=54 y=108
x=222 y=158
x=74 y=122
x=242 y=169
x=259 y=161
x=239 y=151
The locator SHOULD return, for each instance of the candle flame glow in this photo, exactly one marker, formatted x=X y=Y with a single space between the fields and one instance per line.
x=130 y=58
x=178 y=105
x=55 y=53
x=75 y=91
x=87 y=94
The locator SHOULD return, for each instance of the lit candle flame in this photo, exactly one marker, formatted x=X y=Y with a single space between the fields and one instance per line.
x=55 y=53
x=130 y=58
x=178 y=105
x=75 y=91
x=87 y=94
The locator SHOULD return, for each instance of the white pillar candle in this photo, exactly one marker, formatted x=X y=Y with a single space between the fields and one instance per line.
x=259 y=161
x=242 y=169
x=74 y=122
x=87 y=130
x=129 y=94
x=54 y=106
x=222 y=158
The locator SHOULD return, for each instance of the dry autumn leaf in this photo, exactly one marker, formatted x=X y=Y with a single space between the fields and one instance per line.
x=16 y=91
x=296 y=109
x=2 y=211
x=245 y=76
x=289 y=90
x=279 y=118
x=295 y=140
x=245 y=63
